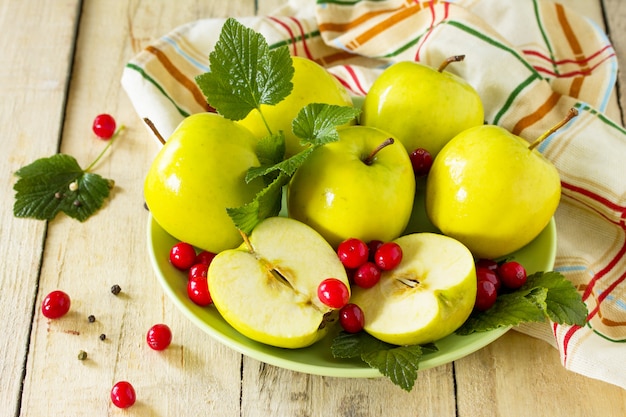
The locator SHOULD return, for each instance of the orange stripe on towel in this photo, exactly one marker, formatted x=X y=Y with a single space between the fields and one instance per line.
x=179 y=76
x=537 y=115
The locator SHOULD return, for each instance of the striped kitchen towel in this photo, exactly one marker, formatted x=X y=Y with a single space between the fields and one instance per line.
x=530 y=61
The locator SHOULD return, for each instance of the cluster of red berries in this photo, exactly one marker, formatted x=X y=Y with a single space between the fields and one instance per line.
x=184 y=257
x=494 y=278
x=364 y=263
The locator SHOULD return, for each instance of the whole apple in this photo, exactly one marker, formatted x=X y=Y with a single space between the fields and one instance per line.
x=311 y=84
x=421 y=106
x=267 y=288
x=426 y=297
x=361 y=186
x=489 y=190
x=197 y=175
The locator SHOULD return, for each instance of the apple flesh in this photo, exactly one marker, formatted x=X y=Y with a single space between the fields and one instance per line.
x=421 y=106
x=487 y=189
x=341 y=196
x=196 y=175
x=426 y=297
x=311 y=84
x=267 y=288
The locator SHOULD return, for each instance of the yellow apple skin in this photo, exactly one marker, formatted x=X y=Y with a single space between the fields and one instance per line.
x=341 y=197
x=422 y=107
x=488 y=190
x=426 y=297
x=199 y=173
x=311 y=84
x=247 y=291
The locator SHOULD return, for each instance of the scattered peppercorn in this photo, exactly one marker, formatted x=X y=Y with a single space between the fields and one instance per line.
x=103 y=336
x=91 y=318
x=116 y=289
x=82 y=355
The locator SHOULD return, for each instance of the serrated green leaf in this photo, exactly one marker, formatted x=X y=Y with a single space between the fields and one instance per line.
x=399 y=364
x=564 y=304
x=509 y=310
x=352 y=345
x=317 y=123
x=265 y=204
x=43 y=189
x=244 y=72
x=271 y=149
x=287 y=167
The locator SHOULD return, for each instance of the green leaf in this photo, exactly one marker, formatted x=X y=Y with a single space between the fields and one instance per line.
x=271 y=149
x=288 y=167
x=244 y=72
x=564 y=304
x=58 y=184
x=545 y=295
x=352 y=345
x=399 y=364
x=265 y=204
x=509 y=310
x=316 y=123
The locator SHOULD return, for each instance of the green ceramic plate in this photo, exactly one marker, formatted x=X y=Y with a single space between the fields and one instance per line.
x=317 y=359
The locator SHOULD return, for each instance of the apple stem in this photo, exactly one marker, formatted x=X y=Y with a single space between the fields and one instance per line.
x=246 y=240
x=370 y=158
x=154 y=130
x=454 y=58
x=570 y=115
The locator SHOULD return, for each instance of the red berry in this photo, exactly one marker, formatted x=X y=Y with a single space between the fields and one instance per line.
x=388 y=256
x=123 y=394
x=104 y=126
x=486 y=295
x=367 y=275
x=333 y=293
x=373 y=246
x=351 y=318
x=485 y=274
x=487 y=263
x=512 y=274
x=421 y=160
x=55 y=305
x=205 y=257
x=198 y=291
x=159 y=336
x=353 y=252
x=198 y=270
x=182 y=256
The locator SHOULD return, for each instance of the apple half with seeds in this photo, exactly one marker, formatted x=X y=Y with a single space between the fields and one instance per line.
x=426 y=297
x=267 y=288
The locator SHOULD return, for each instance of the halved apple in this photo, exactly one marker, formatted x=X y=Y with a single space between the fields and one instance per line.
x=426 y=297
x=267 y=288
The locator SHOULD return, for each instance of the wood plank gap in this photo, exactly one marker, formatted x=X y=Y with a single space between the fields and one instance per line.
x=455 y=390
x=44 y=238
x=241 y=382
x=70 y=73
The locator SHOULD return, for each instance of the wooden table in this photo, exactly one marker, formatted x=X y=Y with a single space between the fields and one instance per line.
x=61 y=65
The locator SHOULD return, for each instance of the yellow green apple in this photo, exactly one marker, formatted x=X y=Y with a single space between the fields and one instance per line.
x=490 y=190
x=361 y=186
x=311 y=84
x=267 y=288
x=424 y=107
x=426 y=297
x=199 y=173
